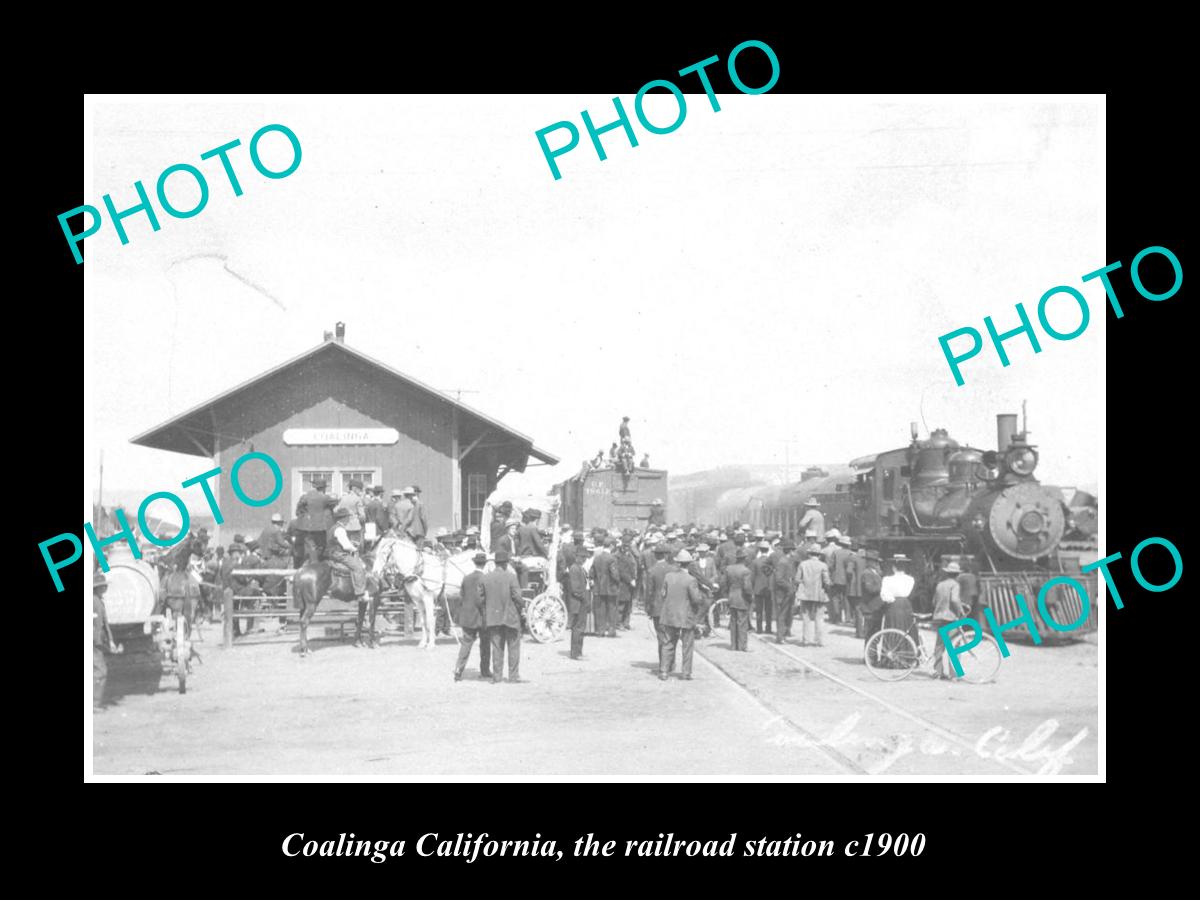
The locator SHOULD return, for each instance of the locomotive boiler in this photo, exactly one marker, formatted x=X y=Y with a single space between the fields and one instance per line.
x=937 y=500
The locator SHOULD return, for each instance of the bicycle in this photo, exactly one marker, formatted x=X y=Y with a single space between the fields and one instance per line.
x=893 y=655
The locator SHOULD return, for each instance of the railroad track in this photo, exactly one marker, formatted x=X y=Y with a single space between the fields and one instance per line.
x=822 y=745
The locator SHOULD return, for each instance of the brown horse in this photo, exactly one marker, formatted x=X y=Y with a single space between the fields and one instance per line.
x=312 y=582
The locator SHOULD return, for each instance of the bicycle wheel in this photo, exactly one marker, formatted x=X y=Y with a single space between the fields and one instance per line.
x=981 y=662
x=718 y=616
x=891 y=655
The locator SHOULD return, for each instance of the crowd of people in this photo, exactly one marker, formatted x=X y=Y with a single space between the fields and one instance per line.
x=770 y=580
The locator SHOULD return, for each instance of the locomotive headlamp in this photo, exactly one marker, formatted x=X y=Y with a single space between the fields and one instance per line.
x=1022 y=460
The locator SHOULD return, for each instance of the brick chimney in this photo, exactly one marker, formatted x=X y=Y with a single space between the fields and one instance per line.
x=340 y=332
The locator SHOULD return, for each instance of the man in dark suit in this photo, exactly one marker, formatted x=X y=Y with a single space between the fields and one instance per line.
x=627 y=566
x=783 y=591
x=655 y=578
x=760 y=575
x=579 y=602
x=681 y=601
x=471 y=619
x=314 y=518
x=502 y=598
x=870 y=583
x=606 y=579
x=376 y=511
x=737 y=585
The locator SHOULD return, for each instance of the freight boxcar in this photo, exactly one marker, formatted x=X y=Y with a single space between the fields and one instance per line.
x=607 y=498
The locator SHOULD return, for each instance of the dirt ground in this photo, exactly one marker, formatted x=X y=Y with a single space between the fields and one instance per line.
x=259 y=709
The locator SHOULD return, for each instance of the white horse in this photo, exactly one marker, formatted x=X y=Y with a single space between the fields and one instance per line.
x=425 y=576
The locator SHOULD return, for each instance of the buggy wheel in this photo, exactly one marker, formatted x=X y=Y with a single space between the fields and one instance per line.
x=718 y=615
x=891 y=655
x=981 y=662
x=547 y=618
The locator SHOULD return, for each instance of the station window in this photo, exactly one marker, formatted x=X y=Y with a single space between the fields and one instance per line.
x=337 y=479
x=476 y=495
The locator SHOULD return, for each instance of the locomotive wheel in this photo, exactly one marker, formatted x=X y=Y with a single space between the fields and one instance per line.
x=718 y=615
x=891 y=655
x=981 y=662
x=547 y=618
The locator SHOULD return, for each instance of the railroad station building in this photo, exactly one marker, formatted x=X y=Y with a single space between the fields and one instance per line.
x=336 y=413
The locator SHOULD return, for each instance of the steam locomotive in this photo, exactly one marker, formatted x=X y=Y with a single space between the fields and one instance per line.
x=935 y=501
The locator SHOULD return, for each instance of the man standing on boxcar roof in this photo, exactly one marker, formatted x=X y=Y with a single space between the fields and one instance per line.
x=314 y=519
x=472 y=616
x=502 y=597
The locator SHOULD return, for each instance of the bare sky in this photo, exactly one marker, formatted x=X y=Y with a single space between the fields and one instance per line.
x=778 y=271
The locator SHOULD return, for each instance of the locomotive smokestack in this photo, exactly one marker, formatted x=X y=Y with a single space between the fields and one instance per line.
x=1006 y=427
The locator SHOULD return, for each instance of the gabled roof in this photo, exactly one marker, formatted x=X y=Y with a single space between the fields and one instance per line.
x=166 y=436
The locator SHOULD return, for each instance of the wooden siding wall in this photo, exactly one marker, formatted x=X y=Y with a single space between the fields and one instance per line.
x=334 y=391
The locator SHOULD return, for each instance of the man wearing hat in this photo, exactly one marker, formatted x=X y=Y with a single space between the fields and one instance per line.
x=681 y=601
x=658 y=514
x=645 y=564
x=761 y=568
x=352 y=501
x=783 y=591
x=341 y=550
x=869 y=585
x=472 y=538
x=812 y=524
x=102 y=639
x=947 y=608
x=314 y=518
x=375 y=517
x=854 y=568
x=627 y=571
x=472 y=614
x=412 y=515
x=606 y=580
x=737 y=585
x=579 y=600
x=838 y=558
x=655 y=578
x=502 y=616
x=813 y=582
x=275 y=551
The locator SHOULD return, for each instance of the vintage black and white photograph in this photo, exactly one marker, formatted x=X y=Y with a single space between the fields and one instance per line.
x=463 y=436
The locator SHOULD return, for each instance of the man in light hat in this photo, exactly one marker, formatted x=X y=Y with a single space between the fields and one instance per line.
x=658 y=514
x=947 y=608
x=737 y=585
x=472 y=538
x=812 y=586
x=352 y=501
x=504 y=606
x=681 y=601
x=472 y=614
x=812 y=523
x=341 y=551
